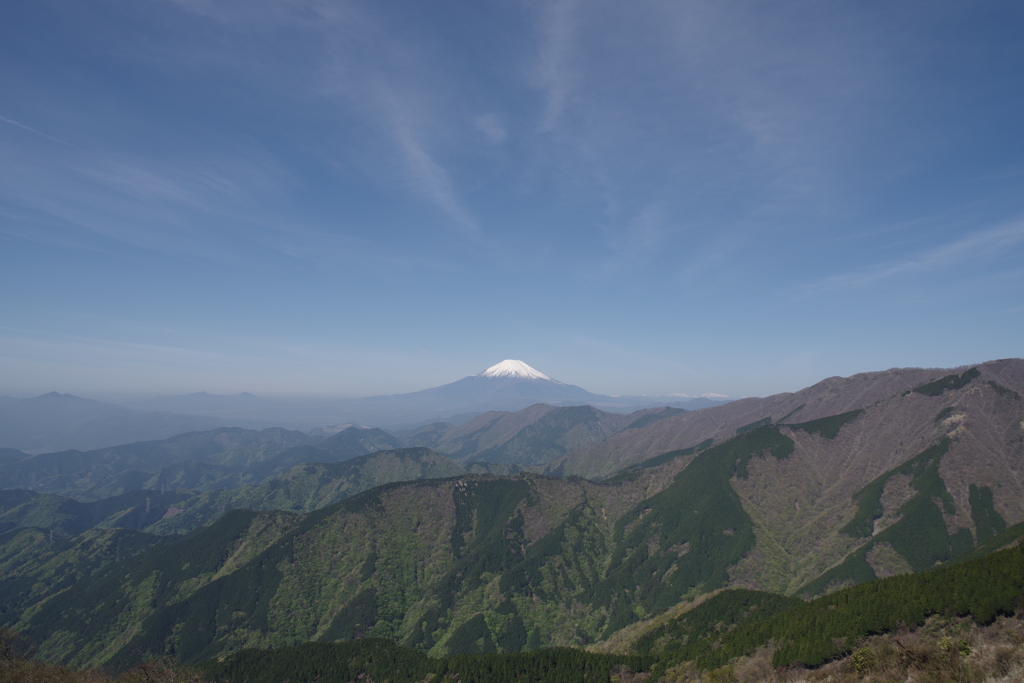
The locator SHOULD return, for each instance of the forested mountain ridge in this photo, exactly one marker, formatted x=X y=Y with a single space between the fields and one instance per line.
x=309 y=486
x=231 y=457
x=831 y=396
x=859 y=482
x=108 y=471
x=533 y=436
x=457 y=565
x=227 y=457
x=913 y=479
x=947 y=625
x=302 y=488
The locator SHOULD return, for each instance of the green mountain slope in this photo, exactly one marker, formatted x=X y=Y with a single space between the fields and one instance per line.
x=135 y=510
x=815 y=632
x=378 y=659
x=467 y=564
x=833 y=396
x=35 y=566
x=137 y=464
x=303 y=488
x=227 y=457
x=798 y=502
x=731 y=624
x=309 y=486
x=414 y=561
x=533 y=436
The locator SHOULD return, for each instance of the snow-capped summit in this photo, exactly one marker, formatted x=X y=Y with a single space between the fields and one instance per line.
x=513 y=368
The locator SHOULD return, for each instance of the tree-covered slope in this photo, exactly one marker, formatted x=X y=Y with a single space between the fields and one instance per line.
x=813 y=633
x=228 y=457
x=65 y=517
x=35 y=566
x=530 y=437
x=457 y=565
x=303 y=488
x=379 y=659
x=416 y=562
x=731 y=624
x=899 y=485
x=109 y=471
x=798 y=502
x=832 y=396
x=309 y=486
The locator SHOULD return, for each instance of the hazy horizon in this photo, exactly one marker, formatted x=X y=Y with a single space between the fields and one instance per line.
x=127 y=397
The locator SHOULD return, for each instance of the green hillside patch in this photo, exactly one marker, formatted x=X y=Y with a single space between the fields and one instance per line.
x=869 y=498
x=731 y=624
x=660 y=460
x=753 y=425
x=652 y=417
x=947 y=383
x=829 y=627
x=702 y=629
x=684 y=539
x=312 y=485
x=827 y=427
x=356 y=619
x=790 y=414
x=382 y=660
x=35 y=567
x=997 y=542
x=633 y=471
x=1003 y=391
x=95 y=613
x=487 y=538
x=472 y=637
x=66 y=517
x=920 y=536
x=987 y=522
x=151 y=464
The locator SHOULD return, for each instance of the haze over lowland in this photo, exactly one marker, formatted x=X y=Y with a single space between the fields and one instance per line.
x=56 y=421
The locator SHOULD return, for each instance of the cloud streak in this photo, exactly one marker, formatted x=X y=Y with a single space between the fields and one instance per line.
x=975 y=248
x=554 y=60
x=430 y=180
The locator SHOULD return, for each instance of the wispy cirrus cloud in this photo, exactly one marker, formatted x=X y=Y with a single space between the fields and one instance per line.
x=976 y=248
x=425 y=175
x=41 y=134
x=554 y=70
x=491 y=128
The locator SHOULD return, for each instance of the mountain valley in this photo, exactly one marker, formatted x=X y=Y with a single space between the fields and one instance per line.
x=613 y=524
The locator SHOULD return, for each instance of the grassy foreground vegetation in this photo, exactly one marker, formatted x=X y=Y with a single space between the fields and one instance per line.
x=830 y=627
x=944 y=625
x=379 y=659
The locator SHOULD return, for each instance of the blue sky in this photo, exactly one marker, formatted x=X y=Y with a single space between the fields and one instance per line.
x=297 y=197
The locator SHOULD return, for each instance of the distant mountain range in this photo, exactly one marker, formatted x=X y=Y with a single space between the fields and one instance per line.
x=507 y=386
x=54 y=422
x=232 y=457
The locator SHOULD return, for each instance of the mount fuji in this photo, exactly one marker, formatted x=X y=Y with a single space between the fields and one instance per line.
x=507 y=383
x=510 y=385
